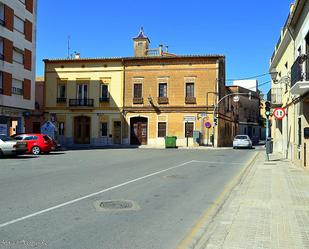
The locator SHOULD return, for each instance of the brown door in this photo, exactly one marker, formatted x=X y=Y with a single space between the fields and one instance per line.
x=139 y=131
x=36 y=127
x=82 y=130
x=117 y=132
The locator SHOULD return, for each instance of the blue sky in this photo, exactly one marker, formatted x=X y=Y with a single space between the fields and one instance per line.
x=244 y=31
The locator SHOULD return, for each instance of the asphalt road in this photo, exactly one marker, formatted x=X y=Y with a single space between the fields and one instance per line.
x=53 y=201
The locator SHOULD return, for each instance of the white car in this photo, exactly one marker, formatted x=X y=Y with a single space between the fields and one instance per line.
x=9 y=146
x=242 y=141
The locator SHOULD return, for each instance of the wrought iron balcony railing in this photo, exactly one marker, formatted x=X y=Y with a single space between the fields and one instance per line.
x=81 y=102
x=104 y=99
x=138 y=100
x=297 y=71
x=61 y=100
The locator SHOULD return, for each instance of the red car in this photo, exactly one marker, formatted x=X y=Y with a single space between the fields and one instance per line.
x=37 y=143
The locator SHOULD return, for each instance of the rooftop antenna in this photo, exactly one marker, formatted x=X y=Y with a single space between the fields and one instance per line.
x=69 y=48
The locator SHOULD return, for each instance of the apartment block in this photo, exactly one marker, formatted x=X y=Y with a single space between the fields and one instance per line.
x=17 y=63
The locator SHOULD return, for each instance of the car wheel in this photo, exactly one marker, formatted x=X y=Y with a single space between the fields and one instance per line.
x=1 y=153
x=36 y=150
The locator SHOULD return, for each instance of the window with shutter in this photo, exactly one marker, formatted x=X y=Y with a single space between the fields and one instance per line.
x=19 y=25
x=1 y=13
x=161 y=129
x=18 y=55
x=137 y=90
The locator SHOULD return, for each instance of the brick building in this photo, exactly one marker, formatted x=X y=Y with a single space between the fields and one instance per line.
x=17 y=63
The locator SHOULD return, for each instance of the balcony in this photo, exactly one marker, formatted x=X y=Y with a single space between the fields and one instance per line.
x=300 y=77
x=137 y=101
x=190 y=100
x=275 y=97
x=81 y=103
x=61 y=100
x=104 y=99
x=162 y=100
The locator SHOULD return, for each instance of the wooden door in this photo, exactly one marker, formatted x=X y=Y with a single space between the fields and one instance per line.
x=82 y=130
x=117 y=132
x=139 y=131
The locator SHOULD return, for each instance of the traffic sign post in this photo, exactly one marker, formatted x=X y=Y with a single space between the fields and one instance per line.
x=279 y=113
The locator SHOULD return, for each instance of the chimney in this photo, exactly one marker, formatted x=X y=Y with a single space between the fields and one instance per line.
x=166 y=49
x=160 y=49
x=77 y=55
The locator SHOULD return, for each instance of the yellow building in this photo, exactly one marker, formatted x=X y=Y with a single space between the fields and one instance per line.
x=168 y=95
x=84 y=98
x=291 y=88
x=138 y=100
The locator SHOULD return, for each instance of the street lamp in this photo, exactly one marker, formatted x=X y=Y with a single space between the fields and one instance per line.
x=273 y=74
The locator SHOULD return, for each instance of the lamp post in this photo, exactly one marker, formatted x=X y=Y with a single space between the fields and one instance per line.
x=214 y=118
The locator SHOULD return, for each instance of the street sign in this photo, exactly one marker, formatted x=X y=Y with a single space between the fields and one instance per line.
x=236 y=98
x=189 y=119
x=279 y=113
x=207 y=124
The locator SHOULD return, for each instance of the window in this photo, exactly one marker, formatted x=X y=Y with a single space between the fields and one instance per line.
x=17 y=87
x=1 y=49
x=18 y=55
x=104 y=129
x=1 y=82
x=161 y=129
x=189 y=126
x=61 y=128
x=61 y=91
x=137 y=90
x=189 y=90
x=104 y=91
x=82 y=91
x=1 y=13
x=19 y=24
x=162 y=89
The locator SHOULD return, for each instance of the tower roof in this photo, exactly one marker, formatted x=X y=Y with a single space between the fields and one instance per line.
x=141 y=35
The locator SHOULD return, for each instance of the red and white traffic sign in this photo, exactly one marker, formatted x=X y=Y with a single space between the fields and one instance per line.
x=279 y=113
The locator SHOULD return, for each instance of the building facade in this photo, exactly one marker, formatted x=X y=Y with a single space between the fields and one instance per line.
x=291 y=88
x=138 y=100
x=247 y=111
x=17 y=63
x=35 y=119
x=83 y=97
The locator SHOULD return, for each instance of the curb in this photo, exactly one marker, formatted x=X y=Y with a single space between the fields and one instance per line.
x=196 y=236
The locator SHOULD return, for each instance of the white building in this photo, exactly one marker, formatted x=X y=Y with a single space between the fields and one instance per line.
x=251 y=84
x=17 y=62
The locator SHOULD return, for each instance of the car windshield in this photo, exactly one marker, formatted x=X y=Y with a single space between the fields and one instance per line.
x=5 y=138
x=241 y=137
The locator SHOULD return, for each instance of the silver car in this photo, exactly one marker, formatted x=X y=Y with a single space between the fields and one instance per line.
x=9 y=146
x=242 y=141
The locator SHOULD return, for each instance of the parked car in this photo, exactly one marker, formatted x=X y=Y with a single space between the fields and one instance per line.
x=9 y=146
x=242 y=141
x=37 y=143
x=56 y=146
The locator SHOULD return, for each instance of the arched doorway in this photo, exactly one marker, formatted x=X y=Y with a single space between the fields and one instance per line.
x=138 y=130
x=82 y=130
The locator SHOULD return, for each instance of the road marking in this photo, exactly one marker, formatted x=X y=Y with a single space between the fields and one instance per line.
x=90 y=195
x=192 y=237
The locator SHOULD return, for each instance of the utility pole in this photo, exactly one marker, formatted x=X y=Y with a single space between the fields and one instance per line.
x=268 y=143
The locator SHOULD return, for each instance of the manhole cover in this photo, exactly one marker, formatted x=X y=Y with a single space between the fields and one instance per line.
x=116 y=205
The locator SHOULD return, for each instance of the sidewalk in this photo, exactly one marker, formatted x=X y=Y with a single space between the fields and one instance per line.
x=268 y=209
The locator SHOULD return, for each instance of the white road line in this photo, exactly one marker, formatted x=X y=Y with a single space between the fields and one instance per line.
x=90 y=195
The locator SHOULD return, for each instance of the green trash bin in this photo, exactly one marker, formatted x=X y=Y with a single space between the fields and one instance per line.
x=170 y=142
